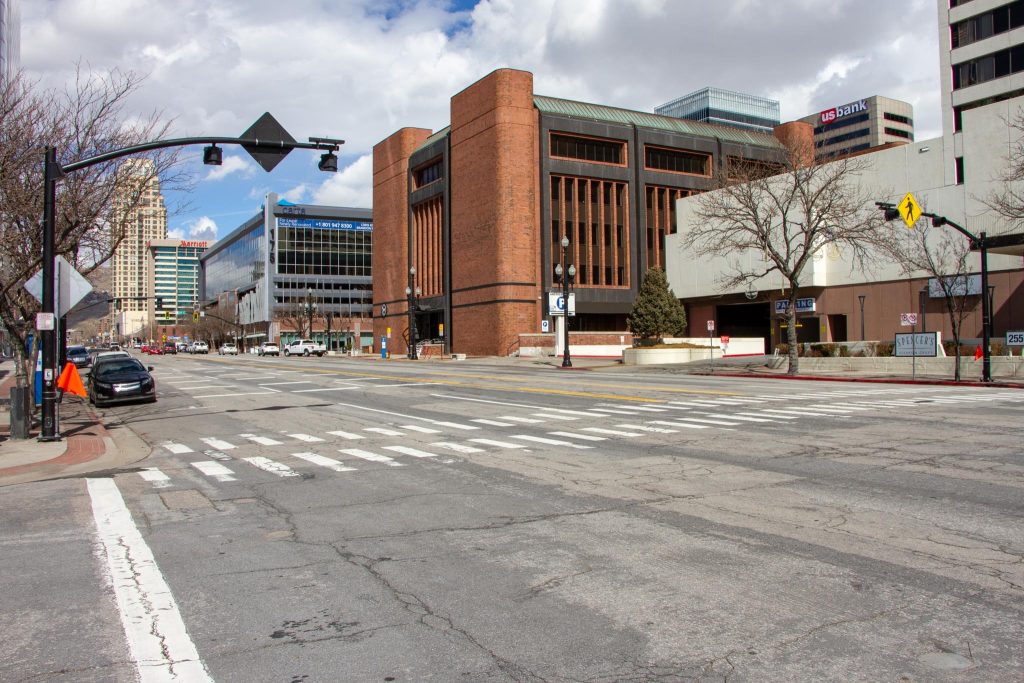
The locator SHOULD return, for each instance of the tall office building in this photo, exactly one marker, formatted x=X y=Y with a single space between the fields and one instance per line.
x=173 y=274
x=138 y=209
x=726 y=108
x=981 y=56
x=10 y=38
x=860 y=125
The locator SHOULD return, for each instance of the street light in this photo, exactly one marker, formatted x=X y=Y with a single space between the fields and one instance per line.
x=862 y=297
x=310 y=310
x=566 y=273
x=922 y=303
x=412 y=293
x=991 y=311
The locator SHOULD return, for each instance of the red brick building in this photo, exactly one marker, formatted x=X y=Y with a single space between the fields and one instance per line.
x=472 y=216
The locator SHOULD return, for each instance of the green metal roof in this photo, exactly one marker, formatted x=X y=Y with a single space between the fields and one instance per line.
x=433 y=138
x=598 y=112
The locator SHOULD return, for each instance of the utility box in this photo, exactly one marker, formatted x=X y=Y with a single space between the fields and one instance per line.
x=21 y=413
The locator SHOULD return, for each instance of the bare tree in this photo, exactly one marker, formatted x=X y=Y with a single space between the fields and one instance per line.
x=85 y=120
x=943 y=255
x=787 y=212
x=1008 y=201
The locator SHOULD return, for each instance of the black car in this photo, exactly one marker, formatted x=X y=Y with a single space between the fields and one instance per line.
x=120 y=380
x=79 y=355
x=170 y=347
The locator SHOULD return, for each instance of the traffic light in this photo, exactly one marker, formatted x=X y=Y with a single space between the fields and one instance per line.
x=159 y=302
x=195 y=316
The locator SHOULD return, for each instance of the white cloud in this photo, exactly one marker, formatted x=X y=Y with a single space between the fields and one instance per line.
x=297 y=194
x=233 y=164
x=350 y=186
x=203 y=228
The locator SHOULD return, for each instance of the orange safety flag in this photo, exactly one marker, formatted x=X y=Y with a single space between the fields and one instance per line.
x=978 y=353
x=70 y=382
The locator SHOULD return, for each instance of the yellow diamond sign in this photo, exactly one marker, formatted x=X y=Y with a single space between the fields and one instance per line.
x=910 y=210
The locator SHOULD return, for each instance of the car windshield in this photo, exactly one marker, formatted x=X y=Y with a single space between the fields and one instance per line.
x=117 y=365
x=76 y=351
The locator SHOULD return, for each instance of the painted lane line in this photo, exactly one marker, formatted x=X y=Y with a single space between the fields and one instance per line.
x=553 y=416
x=497 y=444
x=454 y=425
x=421 y=430
x=737 y=417
x=550 y=442
x=308 y=438
x=573 y=435
x=248 y=377
x=611 y=432
x=794 y=411
x=323 y=461
x=457 y=447
x=678 y=407
x=215 y=470
x=281 y=384
x=493 y=423
x=155 y=477
x=261 y=440
x=688 y=422
x=414 y=452
x=645 y=428
x=346 y=435
x=176 y=448
x=217 y=443
x=268 y=465
x=566 y=411
x=522 y=420
x=836 y=407
x=642 y=409
x=382 y=430
x=372 y=457
x=306 y=391
x=188 y=387
x=158 y=641
x=761 y=414
x=610 y=411
x=249 y=393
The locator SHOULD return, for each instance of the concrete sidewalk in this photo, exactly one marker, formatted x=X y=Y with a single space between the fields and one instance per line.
x=86 y=446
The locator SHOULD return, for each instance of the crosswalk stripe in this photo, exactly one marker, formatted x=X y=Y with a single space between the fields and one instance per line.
x=612 y=432
x=794 y=411
x=523 y=420
x=573 y=435
x=177 y=448
x=457 y=447
x=492 y=423
x=761 y=414
x=372 y=457
x=642 y=409
x=215 y=470
x=553 y=416
x=737 y=417
x=455 y=425
x=611 y=411
x=155 y=477
x=308 y=438
x=272 y=466
x=414 y=452
x=550 y=442
x=566 y=411
x=498 y=444
x=217 y=443
x=686 y=422
x=836 y=407
x=262 y=440
x=645 y=428
x=422 y=430
x=346 y=435
x=382 y=430
x=324 y=461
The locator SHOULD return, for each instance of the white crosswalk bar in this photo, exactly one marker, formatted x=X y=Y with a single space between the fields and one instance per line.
x=177 y=448
x=573 y=435
x=217 y=443
x=155 y=477
x=550 y=442
x=414 y=452
x=493 y=423
x=737 y=417
x=324 y=461
x=645 y=428
x=421 y=430
x=457 y=447
x=497 y=444
x=346 y=435
x=455 y=425
x=262 y=440
x=610 y=432
x=372 y=457
x=382 y=430
x=308 y=438
x=272 y=466
x=215 y=470
x=678 y=422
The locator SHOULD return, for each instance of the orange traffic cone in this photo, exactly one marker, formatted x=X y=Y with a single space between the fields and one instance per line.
x=978 y=353
x=70 y=382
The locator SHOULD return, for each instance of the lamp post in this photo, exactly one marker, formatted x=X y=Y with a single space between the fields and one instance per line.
x=922 y=303
x=991 y=311
x=310 y=310
x=862 y=297
x=412 y=293
x=566 y=273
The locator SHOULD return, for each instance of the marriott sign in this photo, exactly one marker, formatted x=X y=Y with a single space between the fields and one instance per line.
x=830 y=115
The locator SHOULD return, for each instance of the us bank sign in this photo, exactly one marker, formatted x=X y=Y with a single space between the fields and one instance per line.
x=830 y=115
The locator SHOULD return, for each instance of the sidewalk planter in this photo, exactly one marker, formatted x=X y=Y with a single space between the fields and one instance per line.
x=643 y=356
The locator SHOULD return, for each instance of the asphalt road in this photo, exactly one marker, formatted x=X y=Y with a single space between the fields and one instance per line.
x=335 y=519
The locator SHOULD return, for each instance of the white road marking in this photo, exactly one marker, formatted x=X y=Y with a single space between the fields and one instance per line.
x=414 y=452
x=323 y=461
x=523 y=420
x=158 y=641
x=308 y=438
x=794 y=411
x=847 y=409
x=346 y=435
x=611 y=411
x=737 y=417
x=645 y=428
x=642 y=409
x=250 y=393
x=612 y=432
x=761 y=414
x=498 y=444
x=421 y=430
x=572 y=435
x=176 y=448
x=372 y=457
x=493 y=423
x=553 y=416
x=550 y=442
x=453 y=425
x=262 y=440
x=686 y=422
x=217 y=455
x=268 y=465
x=217 y=443
x=281 y=384
x=566 y=411
x=457 y=447
x=306 y=391
x=155 y=477
x=215 y=470
x=382 y=430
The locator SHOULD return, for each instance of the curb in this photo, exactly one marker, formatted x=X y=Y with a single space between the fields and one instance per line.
x=867 y=380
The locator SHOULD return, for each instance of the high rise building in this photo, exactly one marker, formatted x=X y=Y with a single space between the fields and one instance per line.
x=140 y=212
x=864 y=124
x=726 y=108
x=173 y=272
x=981 y=56
x=10 y=38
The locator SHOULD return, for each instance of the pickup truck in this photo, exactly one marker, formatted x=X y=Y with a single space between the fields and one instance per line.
x=304 y=347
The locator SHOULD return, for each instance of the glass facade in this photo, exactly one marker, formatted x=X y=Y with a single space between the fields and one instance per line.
x=309 y=246
x=725 y=107
x=175 y=269
x=239 y=265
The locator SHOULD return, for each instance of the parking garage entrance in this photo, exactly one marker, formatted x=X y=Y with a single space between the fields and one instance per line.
x=746 y=320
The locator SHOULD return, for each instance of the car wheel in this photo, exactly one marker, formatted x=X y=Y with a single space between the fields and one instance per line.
x=305 y=352
x=287 y=352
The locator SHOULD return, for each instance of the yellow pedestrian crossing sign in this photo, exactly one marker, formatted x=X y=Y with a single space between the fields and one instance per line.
x=910 y=210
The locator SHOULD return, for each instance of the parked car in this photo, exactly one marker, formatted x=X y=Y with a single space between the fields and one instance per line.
x=120 y=380
x=228 y=349
x=268 y=349
x=100 y=354
x=304 y=347
x=79 y=355
x=169 y=347
x=200 y=347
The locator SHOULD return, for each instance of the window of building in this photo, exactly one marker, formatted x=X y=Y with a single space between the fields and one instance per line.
x=588 y=149
x=841 y=123
x=739 y=168
x=842 y=138
x=959 y=170
x=677 y=160
x=427 y=250
x=898 y=133
x=661 y=220
x=987 y=24
x=988 y=67
x=889 y=116
x=594 y=215
x=424 y=175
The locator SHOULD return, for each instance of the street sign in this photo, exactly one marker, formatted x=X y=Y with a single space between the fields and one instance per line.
x=917 y=345
x=273 y=133
x=908 y=319
x=725 y=340
x=711 y=326
x=556 y=303
x=545 y=326
x=909 y=209
x=383 y=310
x=1015 y=338
x=70 y=286
x=807 y=305
x=44 y=321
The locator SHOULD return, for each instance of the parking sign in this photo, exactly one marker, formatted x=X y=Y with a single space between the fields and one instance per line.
x=711 y=326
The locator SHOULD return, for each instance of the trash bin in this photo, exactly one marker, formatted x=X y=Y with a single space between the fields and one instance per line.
x=21 y=413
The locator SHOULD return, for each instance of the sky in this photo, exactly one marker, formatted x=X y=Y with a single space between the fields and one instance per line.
x=359 y=70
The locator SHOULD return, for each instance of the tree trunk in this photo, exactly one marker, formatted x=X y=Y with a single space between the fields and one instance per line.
x=794 y=357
